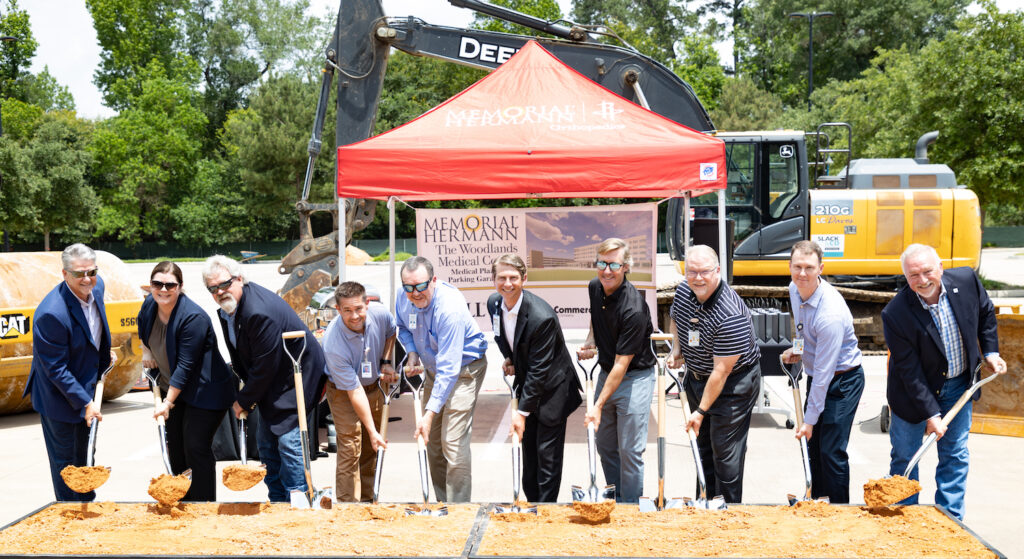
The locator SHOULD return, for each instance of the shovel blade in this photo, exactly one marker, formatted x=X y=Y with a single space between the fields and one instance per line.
x=647 y=504
x=578 y=493
x=717 y=503
x=299 y=499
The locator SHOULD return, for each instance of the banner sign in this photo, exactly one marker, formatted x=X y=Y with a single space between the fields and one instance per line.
x=559 y=246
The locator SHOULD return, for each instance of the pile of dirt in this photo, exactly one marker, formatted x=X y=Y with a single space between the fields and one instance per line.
x=168 y=489
x=83 y=479
x=887 y=491
x=594 y=512
x=811 y=529
x=239 y=477
x=255 y=529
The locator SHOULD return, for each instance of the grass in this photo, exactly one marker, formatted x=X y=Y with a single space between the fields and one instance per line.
x=399 y=257
x=993 y=285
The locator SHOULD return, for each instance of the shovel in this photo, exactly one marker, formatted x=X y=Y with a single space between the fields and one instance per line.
x=421 y=455
x=886 y=491
x=389 y=392
x=169 y=492
x=517 y=462
x=83 y=479
x=313 y=498
x=717 y=503
x=646 y=503
x=591 y=494
x=242 y=477
x=798 y=409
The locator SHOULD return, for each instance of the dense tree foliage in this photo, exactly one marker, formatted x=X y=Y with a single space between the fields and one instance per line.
x=216 y=101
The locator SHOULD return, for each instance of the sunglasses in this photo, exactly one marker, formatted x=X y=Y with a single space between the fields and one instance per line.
x=79 y=274
x=419 y=287
x=221 y=286
x=601 y=265
x=160 y=285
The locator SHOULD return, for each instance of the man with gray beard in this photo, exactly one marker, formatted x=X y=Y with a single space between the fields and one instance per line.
x=253 y=319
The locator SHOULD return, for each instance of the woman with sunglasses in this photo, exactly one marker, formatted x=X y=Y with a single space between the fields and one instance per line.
x=198 y=388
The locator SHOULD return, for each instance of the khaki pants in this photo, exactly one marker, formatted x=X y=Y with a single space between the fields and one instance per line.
x=448 y=451
x=356 y=459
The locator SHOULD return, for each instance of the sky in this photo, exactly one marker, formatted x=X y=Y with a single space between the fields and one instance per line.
x=67 y=40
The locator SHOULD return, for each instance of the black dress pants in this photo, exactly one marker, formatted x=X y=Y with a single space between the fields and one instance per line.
x=190 y=432
x=722 y=439
x=543 y=450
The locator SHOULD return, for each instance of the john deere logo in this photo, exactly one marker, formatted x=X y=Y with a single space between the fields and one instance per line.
x=13 y=325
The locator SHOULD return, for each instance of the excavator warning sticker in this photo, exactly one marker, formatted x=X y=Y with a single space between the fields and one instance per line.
x=831 y=245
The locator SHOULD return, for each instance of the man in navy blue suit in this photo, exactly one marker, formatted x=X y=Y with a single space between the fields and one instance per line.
x=938 y=329
x=70 y=346
x=253 y=319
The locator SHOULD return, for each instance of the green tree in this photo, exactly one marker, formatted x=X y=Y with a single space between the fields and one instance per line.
x=653 y=27
x=15 y=56
x=44 y=91
x=742 y=106
x=133 y=33
x=774 y=47
x=238 y=42
x=59 y=157
x=265 y=153
x=146 y=156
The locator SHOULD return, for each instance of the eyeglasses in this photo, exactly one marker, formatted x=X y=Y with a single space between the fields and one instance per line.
x=221 y=286
x=419 y=287
x=79 y=274
x=161 y=285
x=702 y=273
x=601 y=265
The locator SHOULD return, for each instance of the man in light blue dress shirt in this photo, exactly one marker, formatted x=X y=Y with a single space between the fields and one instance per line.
x=444 y=342
x=827 y=345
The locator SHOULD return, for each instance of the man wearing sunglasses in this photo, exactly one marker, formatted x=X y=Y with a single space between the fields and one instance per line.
x=70 y=346
x=253 y=318
x=443 y=341
x=620 y=332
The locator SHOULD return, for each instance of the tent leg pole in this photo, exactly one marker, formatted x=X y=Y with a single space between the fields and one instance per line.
x=342 y=238
x=686 y=223
x=722 y=249
x=391 y=252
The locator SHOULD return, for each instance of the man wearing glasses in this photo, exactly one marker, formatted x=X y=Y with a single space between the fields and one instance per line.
x=70 y=346
x=827 y=345
x=253 y=319
x=714 y=336
x=442 y=341
x=620 y=332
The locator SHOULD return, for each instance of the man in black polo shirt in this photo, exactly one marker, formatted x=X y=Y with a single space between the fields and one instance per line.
x=716 y=341
x=620 y=331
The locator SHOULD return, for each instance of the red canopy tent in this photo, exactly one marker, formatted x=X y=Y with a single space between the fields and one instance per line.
x=533 y=128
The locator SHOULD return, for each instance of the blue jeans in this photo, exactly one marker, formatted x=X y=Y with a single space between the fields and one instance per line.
x=66 y=445
x=283 y=458
x=951 y=473
x=622 y=434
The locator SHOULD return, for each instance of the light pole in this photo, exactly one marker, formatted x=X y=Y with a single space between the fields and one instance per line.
x=810 y=48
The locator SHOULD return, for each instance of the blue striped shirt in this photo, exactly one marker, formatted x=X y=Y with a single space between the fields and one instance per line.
x=952 y=342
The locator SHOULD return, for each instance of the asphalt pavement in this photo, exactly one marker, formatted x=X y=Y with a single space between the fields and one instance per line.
x=127 y=439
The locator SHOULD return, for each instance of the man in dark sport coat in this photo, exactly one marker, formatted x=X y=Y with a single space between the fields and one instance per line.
x=938 y=329
x=545 y=380
x=253 y=319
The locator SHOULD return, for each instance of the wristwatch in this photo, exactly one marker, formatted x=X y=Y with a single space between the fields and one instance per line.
x=701 y=411
x=385 y=362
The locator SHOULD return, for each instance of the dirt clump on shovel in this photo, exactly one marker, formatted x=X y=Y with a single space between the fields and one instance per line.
x=239 y=477
x=83 y=479
x=168 y=490
x=594 y=512
x=887 y=491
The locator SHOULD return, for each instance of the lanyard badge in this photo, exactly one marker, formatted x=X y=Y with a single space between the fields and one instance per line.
x=365 y=369
x=412 y=321
x=496 y=323
x=693 y=339
x=798 y=341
